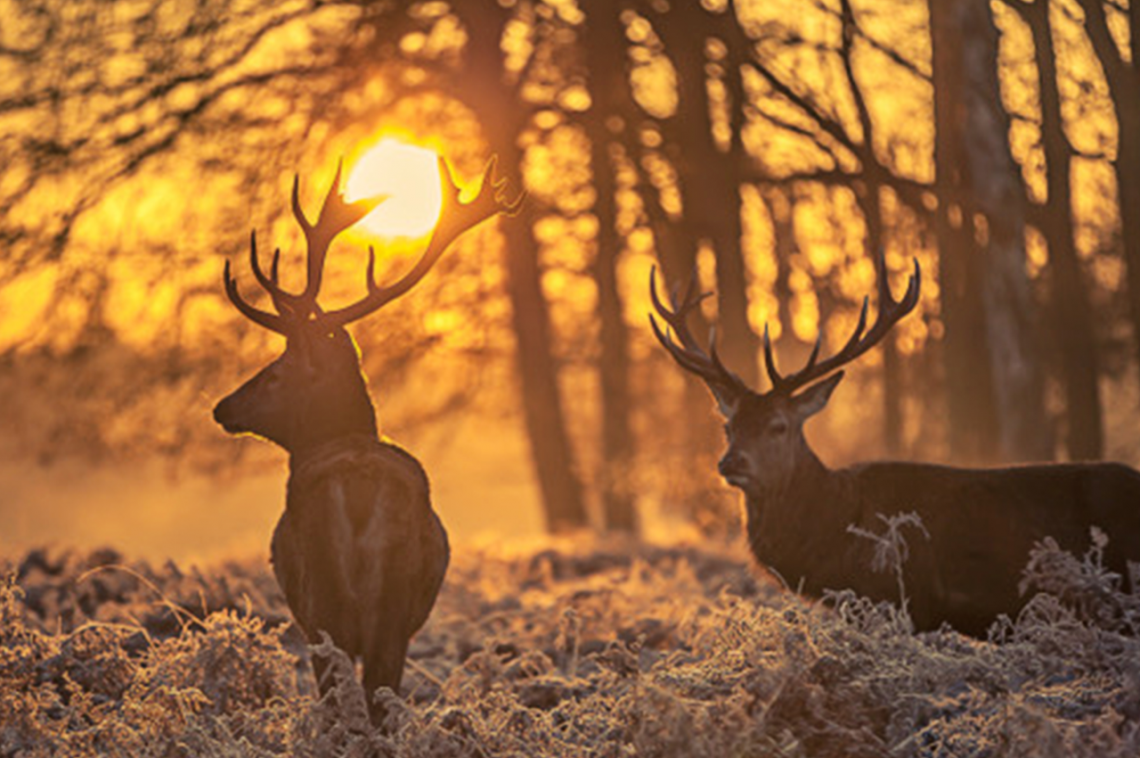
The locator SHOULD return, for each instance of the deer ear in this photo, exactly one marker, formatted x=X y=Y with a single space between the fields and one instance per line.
x=813 y=400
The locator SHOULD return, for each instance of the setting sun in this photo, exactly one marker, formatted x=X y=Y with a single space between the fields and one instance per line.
x=409 y=176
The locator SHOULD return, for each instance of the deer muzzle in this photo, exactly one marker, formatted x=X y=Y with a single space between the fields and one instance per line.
x=734 y=468
x=225 y=413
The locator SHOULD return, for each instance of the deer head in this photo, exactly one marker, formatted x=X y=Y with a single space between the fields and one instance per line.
x=766 y=442
x=314 y=392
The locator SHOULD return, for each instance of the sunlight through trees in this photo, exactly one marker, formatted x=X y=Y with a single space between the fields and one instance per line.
x=771 y=146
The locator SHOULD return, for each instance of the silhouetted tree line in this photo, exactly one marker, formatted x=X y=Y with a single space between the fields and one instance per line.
x=998 y=143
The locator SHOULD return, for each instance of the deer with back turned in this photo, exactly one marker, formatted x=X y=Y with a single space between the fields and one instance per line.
x=359 y=552
x=981 y=523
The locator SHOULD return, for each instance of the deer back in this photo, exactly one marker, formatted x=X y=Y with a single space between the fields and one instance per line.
x=359 y=532
x=966 y=567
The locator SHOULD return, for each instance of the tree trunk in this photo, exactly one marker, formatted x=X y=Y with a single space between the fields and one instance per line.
x=482 y=87
x=999 y=196
x=1071 y=312
x=542 y=405
x=709 y=176
x=604 y=46
x=1127 y=170
x=1123 y=77
x=994 y=380
x=678 y=241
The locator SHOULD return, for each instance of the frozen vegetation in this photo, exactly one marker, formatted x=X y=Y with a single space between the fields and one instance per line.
x=563 y=651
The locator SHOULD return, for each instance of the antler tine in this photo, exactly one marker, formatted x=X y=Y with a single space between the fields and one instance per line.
x=689 y=354
x=681 y=306
x=270 y=321
x=268 y=283
x=861 y=339
x=815 y=351
x=913 y=286
x=310 y=292
x=684 y=359
x=717 y=364
x=336 y=215
x=770 y=362
x=456 y=217
x=780 y=382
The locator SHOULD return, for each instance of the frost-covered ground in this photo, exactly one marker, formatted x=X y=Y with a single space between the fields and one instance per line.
x=561 y=650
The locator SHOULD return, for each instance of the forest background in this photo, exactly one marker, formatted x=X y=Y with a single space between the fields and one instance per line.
x=771 y=147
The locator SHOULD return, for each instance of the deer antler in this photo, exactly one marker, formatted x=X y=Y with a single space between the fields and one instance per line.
x=890 y=311
x=689 y=354
x=692 y=358
x=455 y=218
x=336 y=215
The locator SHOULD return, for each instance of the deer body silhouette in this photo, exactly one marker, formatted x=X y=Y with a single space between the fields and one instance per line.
x=980 y=523
x=359 y=552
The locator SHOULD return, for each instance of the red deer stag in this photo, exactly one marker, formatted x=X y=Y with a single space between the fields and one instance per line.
x=981 y=522
x=359 y=552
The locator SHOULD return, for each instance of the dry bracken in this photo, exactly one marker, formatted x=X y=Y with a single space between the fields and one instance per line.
x=566 y=651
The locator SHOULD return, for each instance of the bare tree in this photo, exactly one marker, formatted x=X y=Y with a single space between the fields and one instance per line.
x=205 y=72
x=901 y=145
x=483 y=84
x=706 y=147
x=1122 y=72
x=604 y=50
x=994 y=377
x=1071 y=320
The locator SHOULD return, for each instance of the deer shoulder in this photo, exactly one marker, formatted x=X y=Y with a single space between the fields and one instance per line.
x=349 y=509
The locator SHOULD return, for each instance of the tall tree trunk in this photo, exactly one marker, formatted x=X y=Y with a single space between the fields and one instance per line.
x=604 y=46
x=1123 y=77
x=1071 y=312
x=1126 y=167
x=999 y=196
x=709 y=176
x=969 y=393
x=678 y=240
x=542 y=405
x=993 y=368
x=482 y=87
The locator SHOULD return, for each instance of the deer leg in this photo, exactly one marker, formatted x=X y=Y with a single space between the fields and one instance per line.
x=384 y=667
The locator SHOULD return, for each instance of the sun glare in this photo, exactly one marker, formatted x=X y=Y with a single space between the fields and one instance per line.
x=409 y=176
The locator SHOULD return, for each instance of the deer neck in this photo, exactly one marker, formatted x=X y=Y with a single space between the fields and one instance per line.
x=779 y=512
x=331 y=427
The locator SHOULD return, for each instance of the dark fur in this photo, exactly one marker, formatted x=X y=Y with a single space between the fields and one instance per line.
x=359 y=552
x=982 y=522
